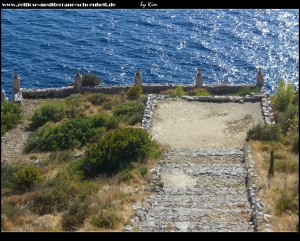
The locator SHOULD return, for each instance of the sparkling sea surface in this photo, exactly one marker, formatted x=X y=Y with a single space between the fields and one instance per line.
x=47 y=46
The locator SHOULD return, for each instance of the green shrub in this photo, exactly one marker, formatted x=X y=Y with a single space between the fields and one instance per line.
x=113 y=123
x=283 y=97
x=246 y=90
x=115 y=150
x=10 y=116
x=131 y=112
x=134 y=92
x=50 y=111
x=143 y=171
x=26 y=178
x=264 y=132
x=100 y=119
x=107 y=105
x=202 y=92
x=178 y=91
x=75 y=216
x=97 y=99
x=35 y=139
x=136 y=118
x=286 y=118
x=7 y=176
x=68 y=134
x=90 y=80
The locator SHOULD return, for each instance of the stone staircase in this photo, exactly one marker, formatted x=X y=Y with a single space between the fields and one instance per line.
x=196 y=191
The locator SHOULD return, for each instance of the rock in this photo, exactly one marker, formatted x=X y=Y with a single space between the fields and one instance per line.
x=137 y=206
x=128 y=228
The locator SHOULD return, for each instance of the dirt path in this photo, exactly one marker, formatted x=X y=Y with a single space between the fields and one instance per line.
x=181 y=124
x=202 y=177
x=13 y=141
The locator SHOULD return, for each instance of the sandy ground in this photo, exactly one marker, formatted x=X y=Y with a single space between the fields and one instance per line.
x=183 y=124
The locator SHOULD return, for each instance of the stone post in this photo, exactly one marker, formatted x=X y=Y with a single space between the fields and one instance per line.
x=16 y=85
x=78 y=81
x=138 y=77
x=259 y=78
x=3 y=96
x=199 y=79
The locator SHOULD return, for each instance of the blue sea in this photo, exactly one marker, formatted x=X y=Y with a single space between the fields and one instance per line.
x=47 y=46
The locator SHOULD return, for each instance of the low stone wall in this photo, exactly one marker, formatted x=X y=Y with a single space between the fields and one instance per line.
x=259 y=214
x=151 y=104
x=147 y=89
x=267 y=110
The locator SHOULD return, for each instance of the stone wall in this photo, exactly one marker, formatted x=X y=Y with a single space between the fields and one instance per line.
x=260 y=217
x=147 y=89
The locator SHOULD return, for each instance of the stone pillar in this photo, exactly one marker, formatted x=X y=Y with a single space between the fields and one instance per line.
x=259 y=78
x=78 y=81
x=3 y=96
x=138 y=77
x=16 y=85
x=199 y=79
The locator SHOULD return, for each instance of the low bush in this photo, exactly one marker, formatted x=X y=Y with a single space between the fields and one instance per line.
x=68 y=134
x=286 y=119
x=90 y=80
x=246 y=90
x=97 y=99
x=283 y=97
x=7 y=171
x=134 y=92
x=10 y=116
x=264 y=132
x=116 y=150
x=202 y=92
x=50 y=111
x=113 y=123
x=143 y=171
x=26 y=178
x=130 y=113
x=178 y=91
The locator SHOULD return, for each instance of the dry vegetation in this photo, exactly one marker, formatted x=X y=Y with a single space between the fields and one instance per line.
x=279 y=183
x=65 y=200
x=282 y=190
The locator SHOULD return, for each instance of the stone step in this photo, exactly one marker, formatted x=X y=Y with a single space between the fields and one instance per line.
x=185 y=226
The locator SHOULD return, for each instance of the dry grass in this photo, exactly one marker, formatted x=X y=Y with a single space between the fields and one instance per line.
x=284 y=182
